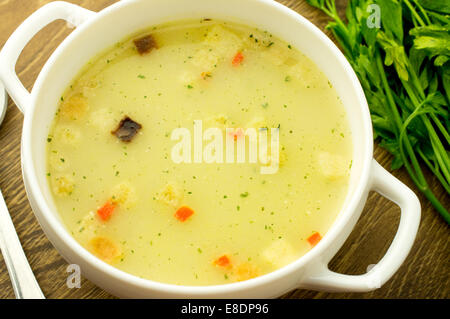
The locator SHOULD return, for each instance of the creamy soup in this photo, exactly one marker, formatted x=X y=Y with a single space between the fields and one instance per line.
x=132 y=192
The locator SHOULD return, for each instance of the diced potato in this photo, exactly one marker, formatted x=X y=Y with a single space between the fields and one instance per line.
x=189 y=77
x=89 y=88
x=63 y=185
x=332 y=166
x=74 y=108
x=170 y=195
x=68 y=135
x=224 y=41
x=205 y=59
x=105 y=249
x=220 y=44
x=277 y=55
x=246 y=271
x=280 y=253
x=305 y=74
x=124 y=195
x=104 y=120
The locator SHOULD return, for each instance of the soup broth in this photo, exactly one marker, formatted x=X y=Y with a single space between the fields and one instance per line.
x=124 y=197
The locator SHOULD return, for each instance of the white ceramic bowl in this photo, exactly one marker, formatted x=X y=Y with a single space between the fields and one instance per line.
x=96 y=32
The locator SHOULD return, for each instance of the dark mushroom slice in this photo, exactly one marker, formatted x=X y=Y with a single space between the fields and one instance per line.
x=145 y=44
x=127 y=130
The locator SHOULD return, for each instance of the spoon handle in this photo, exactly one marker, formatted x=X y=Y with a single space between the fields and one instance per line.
x=22 y=277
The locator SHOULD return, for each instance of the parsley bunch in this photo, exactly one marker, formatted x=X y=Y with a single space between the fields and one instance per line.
x=403 y=64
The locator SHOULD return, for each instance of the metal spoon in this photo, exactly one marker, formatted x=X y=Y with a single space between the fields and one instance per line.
x=22 y=278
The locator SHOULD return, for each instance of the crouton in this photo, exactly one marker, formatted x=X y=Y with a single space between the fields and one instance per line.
x=246 y=271
x=146 y=44
x=74 y=108
x=105 y=249
x=170 y=195
x=124 y=195
x=63 y=185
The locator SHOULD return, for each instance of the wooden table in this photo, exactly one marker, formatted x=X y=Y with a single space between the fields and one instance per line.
x=425 y=274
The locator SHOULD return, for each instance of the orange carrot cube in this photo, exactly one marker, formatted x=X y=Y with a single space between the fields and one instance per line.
x=183 y=213
x=223 y=261
x=238 y=58
x=105 y=212
x=314 y=239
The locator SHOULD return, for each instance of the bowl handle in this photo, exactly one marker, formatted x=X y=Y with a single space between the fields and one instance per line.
x=73 y=14
x=321 y=278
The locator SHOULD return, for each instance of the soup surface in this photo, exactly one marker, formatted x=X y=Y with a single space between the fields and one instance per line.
x=123 y=192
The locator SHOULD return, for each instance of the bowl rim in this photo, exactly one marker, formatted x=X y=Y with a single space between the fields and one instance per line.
x=44 y=212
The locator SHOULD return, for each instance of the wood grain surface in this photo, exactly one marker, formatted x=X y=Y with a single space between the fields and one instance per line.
x=425 y=274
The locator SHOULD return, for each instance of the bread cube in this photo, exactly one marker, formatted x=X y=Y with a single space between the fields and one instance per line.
x=170 y=195
x=74 y=108
x=105 y=249
x=246 y=271
x=63 y=185
x=124 y=195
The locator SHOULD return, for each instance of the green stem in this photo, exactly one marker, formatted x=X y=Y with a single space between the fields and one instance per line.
x=438 y=148
x=441 y=128
x=416 y=174
x=414 y=12
x=422 y=10
x=438 y=205
x=434 y=170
